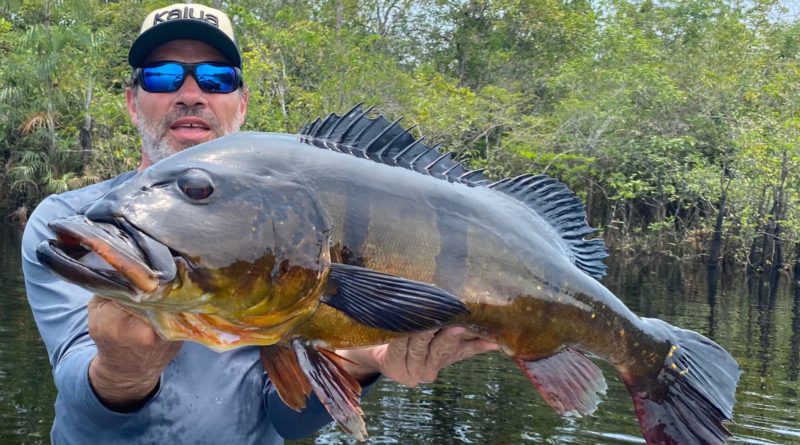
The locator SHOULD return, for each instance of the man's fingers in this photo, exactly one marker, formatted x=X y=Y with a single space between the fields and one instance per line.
x=129 y=311
x=418 y=350
x=443 y=347
x=418 y=344
x=454 y=344
x=472 y=348
x=114 y=322
x=97 y=302
x=420 y=357
x=404 y=358
x=396 y=351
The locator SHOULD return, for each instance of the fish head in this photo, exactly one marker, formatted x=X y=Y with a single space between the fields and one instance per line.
x=198 y=237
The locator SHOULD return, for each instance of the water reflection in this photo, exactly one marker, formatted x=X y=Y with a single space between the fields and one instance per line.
x=26 y=388
x=794 y=353
x=487 y=399
x=711 y=283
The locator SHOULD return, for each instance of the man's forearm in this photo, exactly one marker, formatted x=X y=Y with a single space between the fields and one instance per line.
x=117 y=391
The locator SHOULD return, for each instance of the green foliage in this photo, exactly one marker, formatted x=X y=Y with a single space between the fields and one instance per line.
x=651 y=111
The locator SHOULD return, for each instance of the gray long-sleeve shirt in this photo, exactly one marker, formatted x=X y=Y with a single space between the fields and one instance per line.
x=204 y=397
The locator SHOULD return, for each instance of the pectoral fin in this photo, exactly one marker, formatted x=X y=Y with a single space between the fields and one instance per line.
x=284 y=372
x=568 y=381
x=389 y=302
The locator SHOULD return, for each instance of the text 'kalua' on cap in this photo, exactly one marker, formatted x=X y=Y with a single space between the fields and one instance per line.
x=185 y=21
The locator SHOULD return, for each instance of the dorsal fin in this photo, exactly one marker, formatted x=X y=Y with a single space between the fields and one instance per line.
x=387 y=142
x=556 y=203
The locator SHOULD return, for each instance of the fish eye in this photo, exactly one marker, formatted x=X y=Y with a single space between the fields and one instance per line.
x=196 y=184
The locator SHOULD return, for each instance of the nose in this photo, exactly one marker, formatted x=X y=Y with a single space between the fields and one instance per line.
x=190 y=94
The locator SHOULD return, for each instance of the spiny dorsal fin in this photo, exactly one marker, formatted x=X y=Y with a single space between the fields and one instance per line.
x=387 y=142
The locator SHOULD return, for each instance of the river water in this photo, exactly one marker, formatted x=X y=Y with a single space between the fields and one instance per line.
x=487 y=400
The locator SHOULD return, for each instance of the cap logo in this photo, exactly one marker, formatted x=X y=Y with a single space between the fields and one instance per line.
x=185 y=13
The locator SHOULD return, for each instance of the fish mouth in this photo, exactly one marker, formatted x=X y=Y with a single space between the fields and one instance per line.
x=111 y=258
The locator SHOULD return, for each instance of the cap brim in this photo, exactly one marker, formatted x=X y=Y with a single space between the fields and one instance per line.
x=183 y=29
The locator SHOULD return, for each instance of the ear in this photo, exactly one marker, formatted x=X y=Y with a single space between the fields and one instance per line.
x=129 y=100
x=243 y=105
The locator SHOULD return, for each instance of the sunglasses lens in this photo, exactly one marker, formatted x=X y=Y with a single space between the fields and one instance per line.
x=216 y=78
x=162 y=78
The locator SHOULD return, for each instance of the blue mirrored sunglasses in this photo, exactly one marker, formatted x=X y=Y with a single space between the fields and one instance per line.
x=166 y=77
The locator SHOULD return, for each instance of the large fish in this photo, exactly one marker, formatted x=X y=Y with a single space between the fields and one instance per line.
x=353 y=233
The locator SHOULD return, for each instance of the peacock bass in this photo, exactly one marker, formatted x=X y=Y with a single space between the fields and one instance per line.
x=352 y=233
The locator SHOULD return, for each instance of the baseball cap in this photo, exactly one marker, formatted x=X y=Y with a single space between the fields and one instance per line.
x=185 y=21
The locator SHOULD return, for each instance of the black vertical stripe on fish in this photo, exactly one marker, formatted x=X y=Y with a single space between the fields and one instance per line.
x=451 y=260
x=355 y=230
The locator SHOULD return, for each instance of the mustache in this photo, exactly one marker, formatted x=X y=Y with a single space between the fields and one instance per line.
x=191 y=111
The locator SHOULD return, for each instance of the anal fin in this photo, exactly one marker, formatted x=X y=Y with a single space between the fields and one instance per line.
x=568 y=381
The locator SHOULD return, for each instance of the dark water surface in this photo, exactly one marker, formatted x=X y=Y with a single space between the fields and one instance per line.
x=486 y=400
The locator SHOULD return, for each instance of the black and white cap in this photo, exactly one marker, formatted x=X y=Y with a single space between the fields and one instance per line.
x=185 y=21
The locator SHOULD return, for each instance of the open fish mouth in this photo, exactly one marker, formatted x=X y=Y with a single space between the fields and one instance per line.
x=114 y=259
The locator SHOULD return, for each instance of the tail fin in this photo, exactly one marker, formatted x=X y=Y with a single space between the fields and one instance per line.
x=692 y=393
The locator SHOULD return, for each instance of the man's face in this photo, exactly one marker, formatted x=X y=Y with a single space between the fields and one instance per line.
x=170 y=122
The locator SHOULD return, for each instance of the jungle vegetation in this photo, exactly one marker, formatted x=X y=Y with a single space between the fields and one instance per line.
x=677 y=121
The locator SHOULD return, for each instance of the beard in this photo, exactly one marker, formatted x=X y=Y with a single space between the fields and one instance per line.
x=155 y=144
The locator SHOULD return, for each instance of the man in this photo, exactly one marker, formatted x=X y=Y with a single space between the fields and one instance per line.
x=117 y=381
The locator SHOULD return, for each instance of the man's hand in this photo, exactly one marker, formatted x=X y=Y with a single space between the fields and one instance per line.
x=418 y=358
x=130 y=356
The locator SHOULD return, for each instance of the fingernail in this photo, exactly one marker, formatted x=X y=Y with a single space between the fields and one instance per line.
x=457 y=330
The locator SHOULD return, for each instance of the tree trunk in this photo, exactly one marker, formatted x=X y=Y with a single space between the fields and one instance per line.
x=50 y=114
x=765 y=244
x=716 y=238
x=777 y=254
x=590 y=203
x=85 y=134
x=778 y=215
x=339 y=15
x=754 y=261
x=281 y=90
